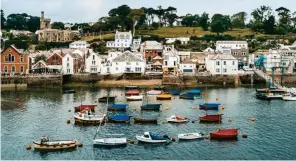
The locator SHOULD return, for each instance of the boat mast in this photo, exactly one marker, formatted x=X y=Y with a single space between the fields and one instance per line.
x=103 y=118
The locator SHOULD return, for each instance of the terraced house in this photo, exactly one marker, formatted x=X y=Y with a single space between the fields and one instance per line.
x=14 y=60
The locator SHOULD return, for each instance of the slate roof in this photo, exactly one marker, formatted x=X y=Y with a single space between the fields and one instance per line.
x=127 y=56
x=223 y=57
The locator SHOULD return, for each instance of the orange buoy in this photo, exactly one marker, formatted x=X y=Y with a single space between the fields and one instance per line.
x=229 y=120
x=132 y=141
x=253 y=119
x=245 y=135
x=207 y=137
x=217 y=98
x=28 y=147
x=68 y=121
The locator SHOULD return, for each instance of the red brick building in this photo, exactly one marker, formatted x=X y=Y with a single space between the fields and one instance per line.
x=54 y=59
x=14 y=60
x=151 y=49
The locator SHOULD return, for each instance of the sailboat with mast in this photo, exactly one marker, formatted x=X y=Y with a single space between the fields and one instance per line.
x=149 y=106
x=109 y=141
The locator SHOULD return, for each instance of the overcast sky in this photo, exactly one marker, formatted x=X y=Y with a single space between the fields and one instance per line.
x=91 y=10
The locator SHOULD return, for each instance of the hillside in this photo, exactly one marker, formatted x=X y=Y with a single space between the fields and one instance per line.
x=166 y=32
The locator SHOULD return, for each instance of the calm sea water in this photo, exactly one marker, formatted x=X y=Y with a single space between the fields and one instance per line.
x=28 y=114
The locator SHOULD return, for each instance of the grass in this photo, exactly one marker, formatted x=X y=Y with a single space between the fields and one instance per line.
x=165 y=32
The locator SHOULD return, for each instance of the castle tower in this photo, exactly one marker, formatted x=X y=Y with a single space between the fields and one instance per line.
x=44 y=22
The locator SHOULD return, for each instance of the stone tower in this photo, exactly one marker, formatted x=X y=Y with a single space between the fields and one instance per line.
x=44 y=22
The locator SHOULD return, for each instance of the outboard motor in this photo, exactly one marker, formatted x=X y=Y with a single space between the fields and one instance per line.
x=166 y=136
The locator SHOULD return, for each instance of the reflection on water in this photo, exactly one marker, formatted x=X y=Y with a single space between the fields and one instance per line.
x=28 y=114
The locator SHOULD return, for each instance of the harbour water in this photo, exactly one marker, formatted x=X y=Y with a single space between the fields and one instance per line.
x=26 y=115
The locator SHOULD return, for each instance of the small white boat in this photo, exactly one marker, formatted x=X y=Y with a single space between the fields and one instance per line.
x=87 y=117
x=190 y=136
x=177 y=119
x=154 y=92
x=148 y=137
x=289 y=97
x=134 y=98
x=110 y=141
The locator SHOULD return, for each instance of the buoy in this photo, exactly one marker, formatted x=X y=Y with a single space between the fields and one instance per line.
x=28 y=147
x=173 y=139
x=68 y=121
x=132 y=141
x=193 y=121
x=245 y=135
x=253 y=119
x=194 y=107
x=79 y=144
x=217 y=98
x=229 y=120
x=69 y=110
x=166 y=108
x=127 y=122
x=207 y=137
x=134 y=109
x=222 y=107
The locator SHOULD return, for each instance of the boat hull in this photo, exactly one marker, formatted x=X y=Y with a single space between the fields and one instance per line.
x=151 y=107
x=163 y=98
x=116 y=109
x=85 y=107
x=211 y=118
x=85 y=121
x=288 y=98
x=110 y=142
x=141 y=120
x=148 y=140
x=41 y=147
x=224 y=134
x=104 y=99
x=190 y=136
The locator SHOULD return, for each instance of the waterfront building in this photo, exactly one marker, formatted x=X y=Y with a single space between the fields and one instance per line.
x=199 y=59
x=151 y=49
x=72 y=63
x=127 y=62
x=136 y=44
x=184 y=55
x=171 y=60
x=183 y=40
x=238 y=49
x=209 y=50
x=187 y=66
x=54 y=59
x=122 y=40
x=93 y=63
x=79 y=45
x=14 y=60
x=224 y=64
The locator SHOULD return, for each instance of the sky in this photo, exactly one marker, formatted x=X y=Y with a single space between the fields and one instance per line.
x=91 y=10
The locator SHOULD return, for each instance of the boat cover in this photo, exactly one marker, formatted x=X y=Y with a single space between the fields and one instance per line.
x=119 y=106
x=152 y=105
x=194 y=91
x=156 y=137
x=120 y=117
x=174 y=92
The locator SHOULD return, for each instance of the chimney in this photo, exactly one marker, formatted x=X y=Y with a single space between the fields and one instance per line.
x=42 y=15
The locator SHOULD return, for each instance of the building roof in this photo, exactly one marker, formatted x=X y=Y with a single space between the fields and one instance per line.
x=223 y=57
x=157 y=63
x=197 y=55
x=127 y=56
x=231 y=42
x=79 y=42
x=294 y=44
x=54 y=54
x=152 y=45
x=187 y=61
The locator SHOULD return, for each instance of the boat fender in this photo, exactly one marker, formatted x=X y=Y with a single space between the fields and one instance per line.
x=207 y=137
x=69 y=110
x=245 y=135
x=229 y=120
x=253 y=119
x=173 y=139
x=132 y=141
x=193 y=121
x=79 y=144
x=28 y=147
x=222 y=107
x=217 y=98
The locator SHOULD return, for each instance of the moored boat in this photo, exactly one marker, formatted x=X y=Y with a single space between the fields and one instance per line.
x=117 y=107
x=289 y=97
x=190 y=136
x=145 y=120
x=225 y=134
x=164 y=96
x=209 y=106
x=152 y=107
x=119 y=118
x=104 y=99
x=88 y=118
x=191 y=94
x=149 y=137
x=268 y=96
x=46 y=145
x=211 y=118
x=174 y=92
x=85 y=107
x=110 y=142
x=68 y=91
x=134 y=98
x=132 y=92
x=131 y=87
x=177 y=119
x=154 y=92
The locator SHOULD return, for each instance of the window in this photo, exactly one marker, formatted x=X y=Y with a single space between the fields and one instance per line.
x=68 y=59
x=224 y=62
x=68 y=70
x=217 y=63
x=13 y=69
x=175 y=63
x=224 y=70
x=128 y=63
x=233 y=63
x=166 y=63
x=137 y=63
x=6 y=58
x=138 y=69
x=22 y=69
x=116 y=63
x=5 y=69
x=116 y=69
x=149 y=59
x=93 y=57
x=218 y=70
x=68 y=65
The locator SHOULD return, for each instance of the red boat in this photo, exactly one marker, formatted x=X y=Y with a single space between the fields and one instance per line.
x=85 y=107
x=132 y=92
x=211 y=118
x=224 y=134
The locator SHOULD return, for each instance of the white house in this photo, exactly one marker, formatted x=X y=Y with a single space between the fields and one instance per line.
x=136 y=44
x=226 y=45
x=93 y=63
x=184 y=40
x=209 y=50
x=79 y=45
x=68 y=65
x=224 y=64
x=184 y=55
x=122 y=40
x=171 y=59
x=187 y=66
x=127 y=62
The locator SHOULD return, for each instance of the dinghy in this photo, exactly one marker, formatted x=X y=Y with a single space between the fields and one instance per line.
x=164 y=96
x=119 y=118
x=152 y=107
x=146 y=120
x=117 y=107
x=224 y=134
x=209 y=106
x=47 y=145
x=104 y=99
x=154 y=92
x=85 y=107
x=149 y=137
x=289 y=97
x=110 y=142
x=132 y=92
x=177 y=119
x=190 y=136
x=211 y=118
x=87 y=117
x=134 y=98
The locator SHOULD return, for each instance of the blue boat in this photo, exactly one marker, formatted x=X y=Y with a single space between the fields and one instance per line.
x=191 y=94
x=117 y=107
x=174 y=92
x=209 y=106
x=151 y=107
x=119 y=118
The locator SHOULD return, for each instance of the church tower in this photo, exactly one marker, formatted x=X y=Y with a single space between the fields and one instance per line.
x=44 y=22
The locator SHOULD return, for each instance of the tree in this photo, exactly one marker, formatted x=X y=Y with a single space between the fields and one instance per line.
x=220 y=23
x=293 y=20
x=136 y=15
x=150 y=15
x=171 y=17
x=40 y=57
x=121 y=15
x=33 y=23
x=3 y=20
x=17 y=21
x=285 y=16
x=204 y=21
x=238 y=20
x=269 y=25
x=159 y=13
x=259 y=16
x=155 y=25
x=58 y=25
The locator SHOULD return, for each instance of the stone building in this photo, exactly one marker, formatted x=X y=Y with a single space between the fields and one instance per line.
x=46 y=33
